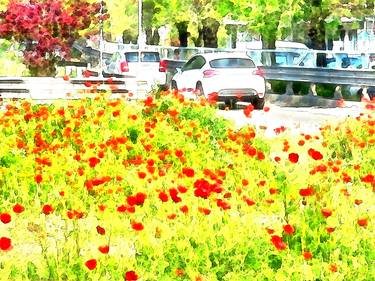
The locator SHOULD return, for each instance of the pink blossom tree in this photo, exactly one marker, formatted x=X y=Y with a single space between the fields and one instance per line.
x=47 y=30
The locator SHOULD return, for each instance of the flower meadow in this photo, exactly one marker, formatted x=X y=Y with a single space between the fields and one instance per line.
x=164 y=189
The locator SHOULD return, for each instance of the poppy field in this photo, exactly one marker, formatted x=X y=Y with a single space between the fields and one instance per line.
x=164 y=189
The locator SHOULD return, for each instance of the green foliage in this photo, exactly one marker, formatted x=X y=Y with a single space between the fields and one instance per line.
x=11 y=60
x=175 y=143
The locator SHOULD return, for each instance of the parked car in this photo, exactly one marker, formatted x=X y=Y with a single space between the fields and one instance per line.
x=231 y=76
x=142 y=65
x=370 y=93
x=283 y=57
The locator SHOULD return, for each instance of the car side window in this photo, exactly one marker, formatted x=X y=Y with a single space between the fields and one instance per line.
x=194 y=63
x=131 y=56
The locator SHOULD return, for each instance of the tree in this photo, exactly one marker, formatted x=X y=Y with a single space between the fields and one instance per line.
x=47 y=29
x=123 y=20
x=323 y=19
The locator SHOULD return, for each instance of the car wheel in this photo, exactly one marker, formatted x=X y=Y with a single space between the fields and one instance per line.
x=258 y=103
x=199 y=89
x=174 y=85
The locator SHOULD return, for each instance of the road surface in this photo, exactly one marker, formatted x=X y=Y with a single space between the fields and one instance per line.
x=299 y=119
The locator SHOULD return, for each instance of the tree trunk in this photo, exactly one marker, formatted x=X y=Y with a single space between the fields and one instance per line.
x=269 y=58
x=148 y=32
x=183 y=34
x=155 y=37
x=198 y=42
x=317 y=33
x=210 y=28
x=232 y=33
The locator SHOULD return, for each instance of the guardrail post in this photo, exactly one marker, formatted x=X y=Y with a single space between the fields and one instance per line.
x=312 y=90
x=337 y=94
x=289 y=89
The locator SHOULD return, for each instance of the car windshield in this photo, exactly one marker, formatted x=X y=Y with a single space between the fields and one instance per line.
x=232 y=63
x=145 y=56
x=150 y=57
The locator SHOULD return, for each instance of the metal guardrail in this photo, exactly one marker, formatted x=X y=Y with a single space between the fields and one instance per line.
x=320 y=75
x=48 y=88
x=339 y=77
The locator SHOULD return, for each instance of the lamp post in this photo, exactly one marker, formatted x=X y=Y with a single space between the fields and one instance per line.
x=101 y=40
x=140 y=35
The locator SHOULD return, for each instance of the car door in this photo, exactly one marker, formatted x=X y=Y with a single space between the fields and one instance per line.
x=190 y=73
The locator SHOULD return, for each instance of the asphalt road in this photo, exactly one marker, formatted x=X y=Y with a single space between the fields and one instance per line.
x=298 y=119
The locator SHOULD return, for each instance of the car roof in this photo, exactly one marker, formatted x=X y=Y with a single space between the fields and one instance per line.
x=222 y=55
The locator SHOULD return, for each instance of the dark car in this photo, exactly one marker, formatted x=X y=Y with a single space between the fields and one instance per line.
x=370 y=92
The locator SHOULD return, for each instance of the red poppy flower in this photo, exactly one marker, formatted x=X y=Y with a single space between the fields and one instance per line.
x=18 y=208
x=138 y=226
x=179 y=272
x=326 y=212
x=289 y=229
x=245 y=182
x=182 y=189
x=100 y=230
x=358 y=201
x=179 y=153
x=212 y=98
x=368 y=179
x=293 y=157
x=131 y=276
x=189 y=172
x=171 y=216
x=316 y=155
x=91 y=264
x=47 y=209
x=86 y=73
x=307 y=255
x=306 y=191
x=5 y=218
x=140 y=198
x=116 y=113
x=184 y=209
x=362 y=222
x=269 y=230
x=66 y=77
x=148 y=101
x=87 y=84
x=142 y=175
x=248 y=109
x=121 y=209
x=38 y=178
x=204 y=211
x=330 y=229
x=223 y=204
x=163 y=196
x=5 y=243
x=173 y=192
x=332 y=267
x=273 y=191
x=93 y=161
x=248 y=201
x=104 y=249
x=278 y=242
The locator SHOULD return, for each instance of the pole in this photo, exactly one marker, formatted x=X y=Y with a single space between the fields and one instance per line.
x=140 y=24
x=101 y=40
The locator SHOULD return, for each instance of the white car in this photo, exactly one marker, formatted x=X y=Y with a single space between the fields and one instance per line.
x=144 y=65
x=231 y=77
